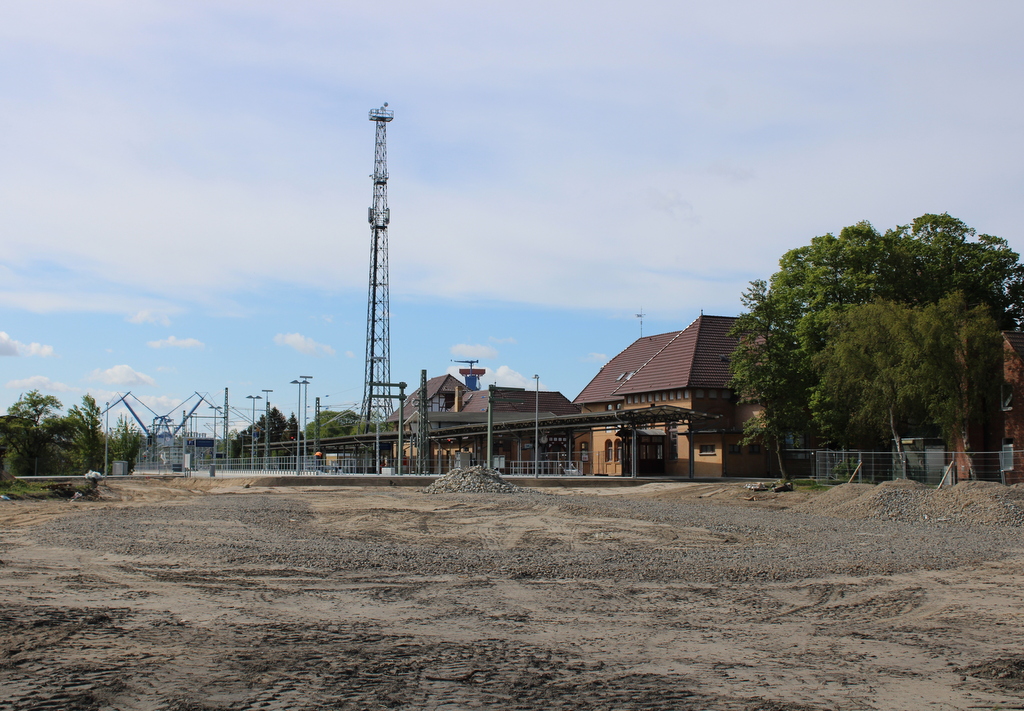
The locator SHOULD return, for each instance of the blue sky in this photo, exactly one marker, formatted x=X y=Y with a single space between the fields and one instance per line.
x=184 y=185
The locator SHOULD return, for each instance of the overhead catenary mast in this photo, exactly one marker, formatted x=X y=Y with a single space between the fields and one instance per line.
x=376 y=405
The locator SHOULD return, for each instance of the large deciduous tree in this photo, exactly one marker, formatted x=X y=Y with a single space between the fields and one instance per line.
x=36 y=435
x=916 y=265
x=87 y=438
x=770 y=368
x=870 y=384
x=125 y=442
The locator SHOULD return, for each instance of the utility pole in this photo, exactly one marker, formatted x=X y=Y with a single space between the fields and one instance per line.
x=376 y=403
x=423 y=428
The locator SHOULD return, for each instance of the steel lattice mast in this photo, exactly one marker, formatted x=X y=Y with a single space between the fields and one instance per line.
x=377 y=407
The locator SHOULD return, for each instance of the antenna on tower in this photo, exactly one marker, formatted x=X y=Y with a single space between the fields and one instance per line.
x=376 y=401
x=641 y=317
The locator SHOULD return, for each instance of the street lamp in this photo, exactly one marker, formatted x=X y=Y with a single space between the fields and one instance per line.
x=301 y=419
x=252 y=436
x=106 y=442
x=216 y=414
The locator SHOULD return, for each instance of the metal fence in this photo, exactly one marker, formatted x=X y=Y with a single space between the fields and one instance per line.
x=929 y=466
x=347 y=466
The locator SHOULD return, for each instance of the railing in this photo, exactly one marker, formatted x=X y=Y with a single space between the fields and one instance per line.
x=546 y=469
x=928 y=467
x=348 y=466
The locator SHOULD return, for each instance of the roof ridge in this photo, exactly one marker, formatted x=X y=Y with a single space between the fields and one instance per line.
x=647 y=362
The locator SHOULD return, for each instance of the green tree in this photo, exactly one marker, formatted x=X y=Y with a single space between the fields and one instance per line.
x=334 y=424
x=125 y=442
x=36 y=436
x=87 y=438
x=770 y=368
x=914 y=265
x=870 y=385
x=960 y=352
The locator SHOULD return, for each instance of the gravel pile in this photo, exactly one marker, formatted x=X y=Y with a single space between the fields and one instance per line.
x=474 y=480
x=969 y=502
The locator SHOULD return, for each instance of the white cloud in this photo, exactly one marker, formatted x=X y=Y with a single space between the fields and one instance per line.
x=147 y=316
x=174 y=342
x=41 y=382
x=11 y=347
x=121 y=375
x=350 y=354
x=506 y=377
x=164 y=405
x=303 y=344
x=503 y=376
x=499 y=341
x=474 y=352
x=594 y=358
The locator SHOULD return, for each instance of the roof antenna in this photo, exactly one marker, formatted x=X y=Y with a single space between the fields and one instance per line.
x=641 y=317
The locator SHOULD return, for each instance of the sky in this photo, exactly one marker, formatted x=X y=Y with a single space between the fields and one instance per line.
x=184 y=185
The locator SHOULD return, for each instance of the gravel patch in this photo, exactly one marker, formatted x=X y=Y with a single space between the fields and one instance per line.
x=474 y=480
x=969 y=502
x=700 y=543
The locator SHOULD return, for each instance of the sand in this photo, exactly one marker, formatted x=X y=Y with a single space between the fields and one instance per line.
x=224 y=594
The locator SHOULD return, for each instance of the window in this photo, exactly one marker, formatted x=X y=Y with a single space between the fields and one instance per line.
x=698 y=394
x=754 y=449
x=608 y=450
x=686 y=394
x=712 y=393
x=1007 y=397
x=608 y=406
x=707 y=449
x=735 y=449
x=618 y=450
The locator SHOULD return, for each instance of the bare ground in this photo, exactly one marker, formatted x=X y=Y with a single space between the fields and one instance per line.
x=195 y=595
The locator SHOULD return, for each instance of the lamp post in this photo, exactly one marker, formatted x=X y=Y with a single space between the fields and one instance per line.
x=252 y=436
x=106 y=443
x=216 y=414
x=300 y=421
x=266 y=426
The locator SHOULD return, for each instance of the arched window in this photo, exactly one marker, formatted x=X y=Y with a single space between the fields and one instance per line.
x=608 y=451
x=618 y=450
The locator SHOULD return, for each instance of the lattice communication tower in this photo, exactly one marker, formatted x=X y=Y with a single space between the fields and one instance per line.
x=376 y=407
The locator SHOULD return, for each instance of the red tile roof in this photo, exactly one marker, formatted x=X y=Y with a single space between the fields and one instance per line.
x=697 y=356
x=525 y=401
x=1016 y=340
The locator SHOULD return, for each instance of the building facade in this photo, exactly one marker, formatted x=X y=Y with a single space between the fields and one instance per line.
x=688 y=369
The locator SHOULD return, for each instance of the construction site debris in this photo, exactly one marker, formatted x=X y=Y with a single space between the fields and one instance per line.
x=474 y=480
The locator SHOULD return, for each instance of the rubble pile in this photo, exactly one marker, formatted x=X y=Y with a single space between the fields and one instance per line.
x=969 y=502
x=474 y=480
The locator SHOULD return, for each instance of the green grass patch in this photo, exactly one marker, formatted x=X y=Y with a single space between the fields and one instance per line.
x=19 y=489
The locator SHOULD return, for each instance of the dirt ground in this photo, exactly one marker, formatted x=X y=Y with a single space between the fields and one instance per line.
x=194 y=595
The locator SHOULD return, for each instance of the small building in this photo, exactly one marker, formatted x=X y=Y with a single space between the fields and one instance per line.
x=687 y=369
x=1005 y=430
x=450 y=403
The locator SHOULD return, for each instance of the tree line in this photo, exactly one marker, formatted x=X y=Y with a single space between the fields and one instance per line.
x=37 y=438
x=863 y=338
